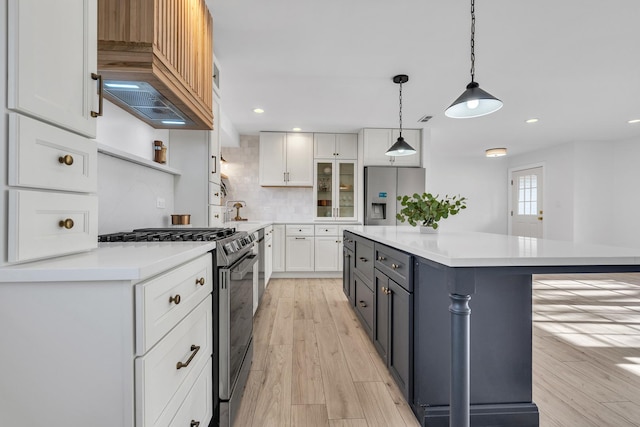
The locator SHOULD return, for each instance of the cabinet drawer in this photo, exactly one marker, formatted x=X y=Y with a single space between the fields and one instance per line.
x=43 y=224
x=160 y=386
x=395 y=264
x=349 y=240
x=300 y=230
x=197 y=406
x=44 y=156
x=364 y=257
x=364 y=302
x=215 y=193
x=163 y=301
x=326 y=230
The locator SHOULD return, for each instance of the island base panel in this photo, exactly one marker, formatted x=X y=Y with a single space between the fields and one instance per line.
x=521 y=415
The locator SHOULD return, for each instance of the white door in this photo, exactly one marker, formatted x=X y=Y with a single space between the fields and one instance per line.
x=278 y=248
x=300 y=253
x=52 y=54
x=324 y=145
x=347 y=146
x=526 y=202
x=272 y=158
x=300 y=159
x=326 y=253
x=376 y=143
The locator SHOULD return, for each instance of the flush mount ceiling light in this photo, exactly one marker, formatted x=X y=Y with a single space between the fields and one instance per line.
x=400 y=147
x=296 y=129
x=258 y=110
x=496 y=152
x=533 y=120
x=474 y=102
x=634 y=121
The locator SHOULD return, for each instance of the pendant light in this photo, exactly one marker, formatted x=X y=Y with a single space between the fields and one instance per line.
x=474 y=102
x=400 y=147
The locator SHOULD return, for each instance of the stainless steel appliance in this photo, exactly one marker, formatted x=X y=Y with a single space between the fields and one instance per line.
x=382 y=185
x=237 y=265
x=234 y=263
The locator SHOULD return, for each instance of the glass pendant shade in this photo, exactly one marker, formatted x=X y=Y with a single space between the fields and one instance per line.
x=400 y=148
x=474 y=102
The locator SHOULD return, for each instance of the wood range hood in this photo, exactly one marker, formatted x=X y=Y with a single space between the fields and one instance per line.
x=156 y=60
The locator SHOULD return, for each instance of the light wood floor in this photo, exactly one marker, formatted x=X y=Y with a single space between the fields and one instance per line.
x=314 y=366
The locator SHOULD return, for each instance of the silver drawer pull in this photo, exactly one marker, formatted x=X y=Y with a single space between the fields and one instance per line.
x=67 y=159
x=194 y=423
x=394 y=266
x=175 y=299
x=362 y=303
x=200 y=281
x=381 y=258
x=194 y=350
x=67 y=223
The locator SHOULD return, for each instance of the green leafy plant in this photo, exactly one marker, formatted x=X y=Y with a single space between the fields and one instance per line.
x=427 y=209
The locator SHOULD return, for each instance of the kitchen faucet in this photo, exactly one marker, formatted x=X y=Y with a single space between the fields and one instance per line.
x=229 y=205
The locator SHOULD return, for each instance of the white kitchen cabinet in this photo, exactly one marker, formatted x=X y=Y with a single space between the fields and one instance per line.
x=74 y=352
x=268 y=254
x=300 y=253
x=45 y=224
x=52 y=56
x=279 y=245
x=376 y=142
x=335 y=190
x=216 y=216
x=286 y=159
x=194 y=192
x=335 y=146
x=44 y=156
x=326 y=253
x=214 y=145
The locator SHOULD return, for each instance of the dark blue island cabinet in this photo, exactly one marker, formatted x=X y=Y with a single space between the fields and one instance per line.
x=451 y=315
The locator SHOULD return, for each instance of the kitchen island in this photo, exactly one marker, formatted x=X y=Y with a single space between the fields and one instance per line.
x=414 y=293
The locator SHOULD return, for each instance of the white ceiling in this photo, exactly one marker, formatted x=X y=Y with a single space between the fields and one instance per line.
x=326 y=66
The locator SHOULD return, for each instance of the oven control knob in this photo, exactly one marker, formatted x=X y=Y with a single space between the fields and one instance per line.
x=228 y=248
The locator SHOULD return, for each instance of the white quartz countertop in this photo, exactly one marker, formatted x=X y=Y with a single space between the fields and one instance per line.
x=110 y=261
x=473 y=249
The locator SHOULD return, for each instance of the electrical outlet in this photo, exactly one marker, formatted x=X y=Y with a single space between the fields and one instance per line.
x=160 y=203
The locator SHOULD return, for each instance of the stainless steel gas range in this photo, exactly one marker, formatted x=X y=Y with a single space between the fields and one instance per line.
x=233 y=263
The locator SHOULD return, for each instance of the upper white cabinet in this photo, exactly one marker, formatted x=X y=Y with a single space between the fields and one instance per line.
x=335 y=146
x=335 y=195
x=377 y=141
x=52 y=56
x=286 y=159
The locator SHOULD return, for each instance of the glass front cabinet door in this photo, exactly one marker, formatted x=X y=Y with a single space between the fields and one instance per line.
x=335 y=190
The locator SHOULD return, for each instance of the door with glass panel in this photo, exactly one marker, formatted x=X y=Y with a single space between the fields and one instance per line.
x=335 y=190
x=526 y=209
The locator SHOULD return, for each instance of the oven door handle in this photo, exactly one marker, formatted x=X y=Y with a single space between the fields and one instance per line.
x=244 y=267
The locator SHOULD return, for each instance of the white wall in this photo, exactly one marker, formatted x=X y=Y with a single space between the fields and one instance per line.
x=263 y=203
x=127 y=192
x=483 y=181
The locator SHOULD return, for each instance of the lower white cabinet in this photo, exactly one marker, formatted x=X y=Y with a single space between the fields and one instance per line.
x=300 y=253
x=279 y=244
x=70 y=353
x=268 y=254
x=326 y=253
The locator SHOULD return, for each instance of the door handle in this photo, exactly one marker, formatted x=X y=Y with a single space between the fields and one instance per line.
x=539 y=218
x=200 y=281
x=98 y=77
x=362 y=303
x=363 y=259
x=194 y=350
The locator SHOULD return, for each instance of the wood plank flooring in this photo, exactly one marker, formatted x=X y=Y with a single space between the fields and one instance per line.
x=314 y=365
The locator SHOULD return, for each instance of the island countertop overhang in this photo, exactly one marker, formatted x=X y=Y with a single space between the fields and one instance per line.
x=475 y=249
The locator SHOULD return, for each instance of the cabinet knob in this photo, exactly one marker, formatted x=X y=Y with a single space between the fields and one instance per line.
x=66 y=223
x=362 y=303
x=67 y=159
x=381 y=258
x=200 y=281
x=175 y=299
x=394 y=266
x=216 y=216
x=194 y=351
x=194 y=423
x=387 y=291
x=216 y=194
x=269 y=245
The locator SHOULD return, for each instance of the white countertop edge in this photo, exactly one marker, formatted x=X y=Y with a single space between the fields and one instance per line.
x=574 y=254
x=134 y=263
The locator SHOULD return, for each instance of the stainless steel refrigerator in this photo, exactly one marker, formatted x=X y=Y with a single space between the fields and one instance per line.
x=382 y=185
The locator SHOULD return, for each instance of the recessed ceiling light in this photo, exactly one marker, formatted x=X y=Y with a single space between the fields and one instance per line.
x=634 y=121
x=534 y=120
x=496 y=152
x=296 y=129
x=258 y=110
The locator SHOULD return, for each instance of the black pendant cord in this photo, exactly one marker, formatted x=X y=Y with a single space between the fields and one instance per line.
x=400 y=109
x=473 y=36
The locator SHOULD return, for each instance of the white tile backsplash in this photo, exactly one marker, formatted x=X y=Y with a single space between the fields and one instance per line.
x=263 y=203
